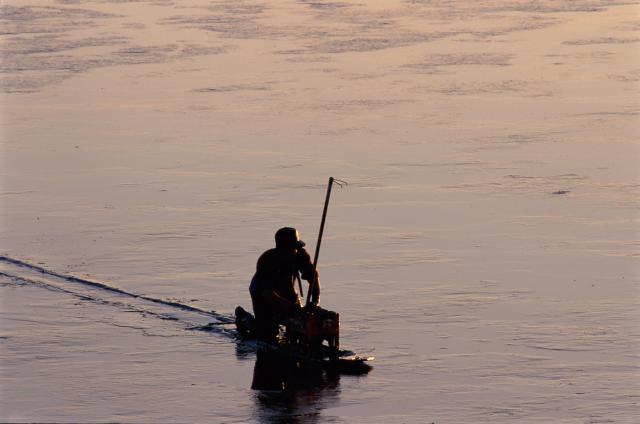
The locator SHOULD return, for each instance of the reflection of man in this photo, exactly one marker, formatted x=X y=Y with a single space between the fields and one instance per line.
x=273 y=371
x=272 y=289
x=288 y=393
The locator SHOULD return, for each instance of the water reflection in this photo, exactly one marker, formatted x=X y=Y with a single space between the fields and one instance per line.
x=286 y=392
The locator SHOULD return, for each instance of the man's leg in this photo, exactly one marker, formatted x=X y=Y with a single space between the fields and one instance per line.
x=267 y=327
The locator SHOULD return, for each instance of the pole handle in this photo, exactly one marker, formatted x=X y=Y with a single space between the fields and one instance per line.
x=314 y=283
x=299 y=284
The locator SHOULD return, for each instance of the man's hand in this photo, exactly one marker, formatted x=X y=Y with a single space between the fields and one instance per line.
x=311 y=307
x=295 y=307
x=303 y=255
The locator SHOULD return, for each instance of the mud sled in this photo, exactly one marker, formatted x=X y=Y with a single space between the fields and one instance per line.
x=311 y=337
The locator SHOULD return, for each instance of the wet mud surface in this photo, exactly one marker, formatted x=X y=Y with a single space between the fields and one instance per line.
x=485 y=250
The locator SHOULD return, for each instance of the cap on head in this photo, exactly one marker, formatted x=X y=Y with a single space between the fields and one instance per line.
x=288 y=238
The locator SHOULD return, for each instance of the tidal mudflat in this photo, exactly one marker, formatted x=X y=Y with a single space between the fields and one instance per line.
x=485 y=251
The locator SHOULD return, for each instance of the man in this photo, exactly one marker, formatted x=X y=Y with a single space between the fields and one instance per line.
x=273 y=291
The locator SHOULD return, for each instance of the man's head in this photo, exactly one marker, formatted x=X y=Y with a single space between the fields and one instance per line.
x=288 y=238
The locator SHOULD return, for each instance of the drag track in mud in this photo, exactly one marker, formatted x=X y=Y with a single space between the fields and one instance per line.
x=21 y=273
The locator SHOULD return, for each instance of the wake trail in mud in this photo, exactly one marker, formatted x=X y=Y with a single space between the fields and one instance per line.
x=21 y=273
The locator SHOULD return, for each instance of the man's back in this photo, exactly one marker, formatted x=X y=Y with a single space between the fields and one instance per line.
x=275 y=271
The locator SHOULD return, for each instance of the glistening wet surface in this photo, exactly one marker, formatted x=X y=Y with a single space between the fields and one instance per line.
x=485 y=250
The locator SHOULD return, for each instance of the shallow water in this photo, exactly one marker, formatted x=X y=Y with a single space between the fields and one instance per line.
x=485 y=249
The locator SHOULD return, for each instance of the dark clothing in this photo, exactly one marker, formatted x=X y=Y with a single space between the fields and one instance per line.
x=273 y=287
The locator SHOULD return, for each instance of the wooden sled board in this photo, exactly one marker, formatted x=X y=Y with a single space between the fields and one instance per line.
x=351 y=364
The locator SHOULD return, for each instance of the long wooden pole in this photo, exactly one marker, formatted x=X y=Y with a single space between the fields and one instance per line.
x=315 y=257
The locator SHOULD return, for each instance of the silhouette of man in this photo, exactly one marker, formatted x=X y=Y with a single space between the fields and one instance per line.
x=273 y=291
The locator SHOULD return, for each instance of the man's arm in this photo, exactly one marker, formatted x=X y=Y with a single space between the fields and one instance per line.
x=308 y=273
x=278 y=301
